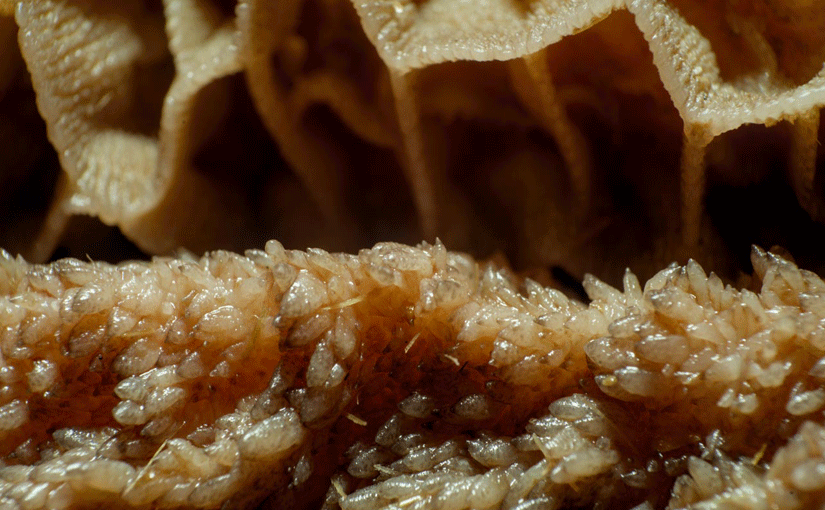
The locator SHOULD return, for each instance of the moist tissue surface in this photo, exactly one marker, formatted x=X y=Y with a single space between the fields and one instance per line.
x=573 y=136
x=406 y=377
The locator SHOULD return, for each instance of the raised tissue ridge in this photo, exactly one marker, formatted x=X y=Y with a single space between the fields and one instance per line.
x=555 y=131
x=405 y=377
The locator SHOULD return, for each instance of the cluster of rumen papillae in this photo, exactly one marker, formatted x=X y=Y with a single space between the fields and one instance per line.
x=582 y=135
x=405 y=377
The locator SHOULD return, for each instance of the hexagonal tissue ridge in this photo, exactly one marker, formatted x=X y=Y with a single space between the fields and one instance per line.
x=208 y=124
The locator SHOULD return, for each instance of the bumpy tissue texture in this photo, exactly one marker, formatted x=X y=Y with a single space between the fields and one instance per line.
x=571 y=136
x=406 y=377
